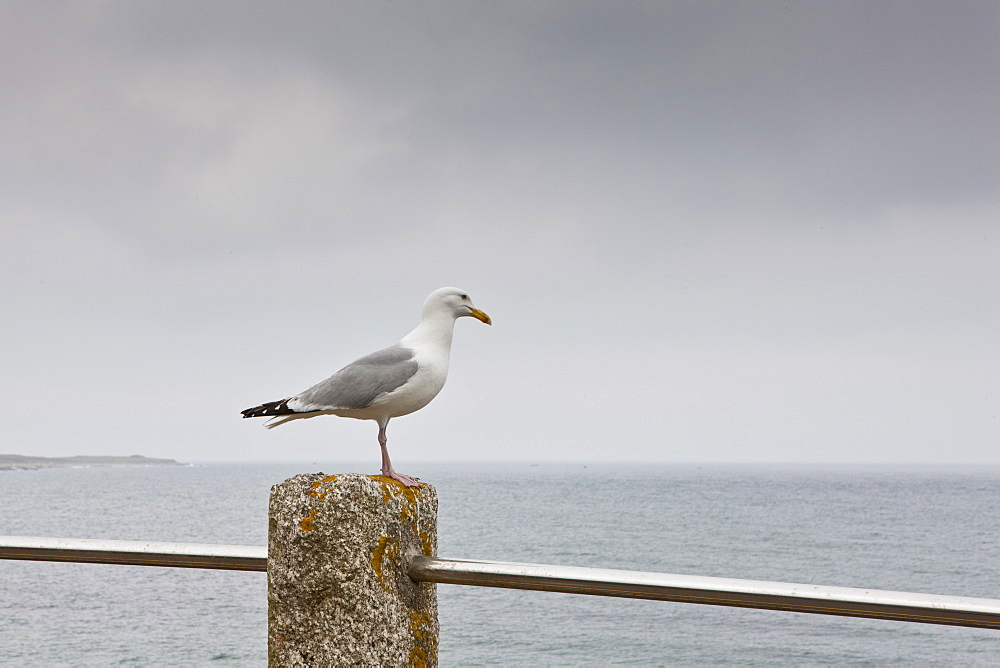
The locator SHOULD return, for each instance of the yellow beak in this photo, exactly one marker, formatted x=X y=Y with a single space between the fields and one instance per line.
x=480 y=316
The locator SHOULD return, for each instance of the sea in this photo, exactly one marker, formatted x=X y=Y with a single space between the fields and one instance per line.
x=905 y=528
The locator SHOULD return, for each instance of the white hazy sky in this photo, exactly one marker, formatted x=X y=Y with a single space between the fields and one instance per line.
x=706 y=231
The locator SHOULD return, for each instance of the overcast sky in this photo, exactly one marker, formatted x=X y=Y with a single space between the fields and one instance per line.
x=705 y=231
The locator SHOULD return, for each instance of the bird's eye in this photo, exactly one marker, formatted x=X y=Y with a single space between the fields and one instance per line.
x=465 y=298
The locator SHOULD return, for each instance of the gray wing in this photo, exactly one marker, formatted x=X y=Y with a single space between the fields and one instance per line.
x=358 y=383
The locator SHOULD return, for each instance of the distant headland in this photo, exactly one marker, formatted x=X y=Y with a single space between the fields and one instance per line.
x=23 y=462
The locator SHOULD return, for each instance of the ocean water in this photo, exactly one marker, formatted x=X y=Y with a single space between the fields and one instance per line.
x=923 y=529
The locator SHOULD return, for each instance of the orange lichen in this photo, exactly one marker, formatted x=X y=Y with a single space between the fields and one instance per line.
x=393 y=488
x=426 y=545
x=317 y=484
x=418 y=658
x=425 y=642
x=419 y=621
x=307 y=522
x=387 y=548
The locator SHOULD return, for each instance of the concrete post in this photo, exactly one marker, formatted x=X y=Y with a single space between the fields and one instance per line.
x=337 y=589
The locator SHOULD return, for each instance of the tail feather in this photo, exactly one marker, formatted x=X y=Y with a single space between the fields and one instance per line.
x=282 y=419
x=271 y=408
x=280 y=413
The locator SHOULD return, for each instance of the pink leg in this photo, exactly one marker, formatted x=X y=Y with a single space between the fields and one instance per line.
x=387 y=469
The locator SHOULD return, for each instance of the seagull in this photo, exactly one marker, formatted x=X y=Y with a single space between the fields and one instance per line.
x=392 y=382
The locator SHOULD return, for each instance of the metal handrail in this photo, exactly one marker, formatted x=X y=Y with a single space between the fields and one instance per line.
x=818 y=599
x=134 y=553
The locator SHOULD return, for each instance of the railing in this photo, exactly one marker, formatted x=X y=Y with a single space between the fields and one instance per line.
x=134 y=553
x=350 y=565
x=817 y=599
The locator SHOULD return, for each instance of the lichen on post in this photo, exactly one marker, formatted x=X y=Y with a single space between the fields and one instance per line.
x=338 y=592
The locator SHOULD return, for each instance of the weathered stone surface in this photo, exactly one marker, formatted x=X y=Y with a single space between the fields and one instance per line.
x=338 y=593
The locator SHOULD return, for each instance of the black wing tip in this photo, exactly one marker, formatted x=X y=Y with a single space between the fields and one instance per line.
x=268 y=409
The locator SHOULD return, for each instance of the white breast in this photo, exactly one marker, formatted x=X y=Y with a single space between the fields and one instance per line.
x=432 y=371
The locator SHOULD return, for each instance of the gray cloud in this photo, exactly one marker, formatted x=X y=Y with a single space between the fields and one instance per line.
x=705 y=230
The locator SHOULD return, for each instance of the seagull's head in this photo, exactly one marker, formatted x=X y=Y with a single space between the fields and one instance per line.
x=456 y=302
